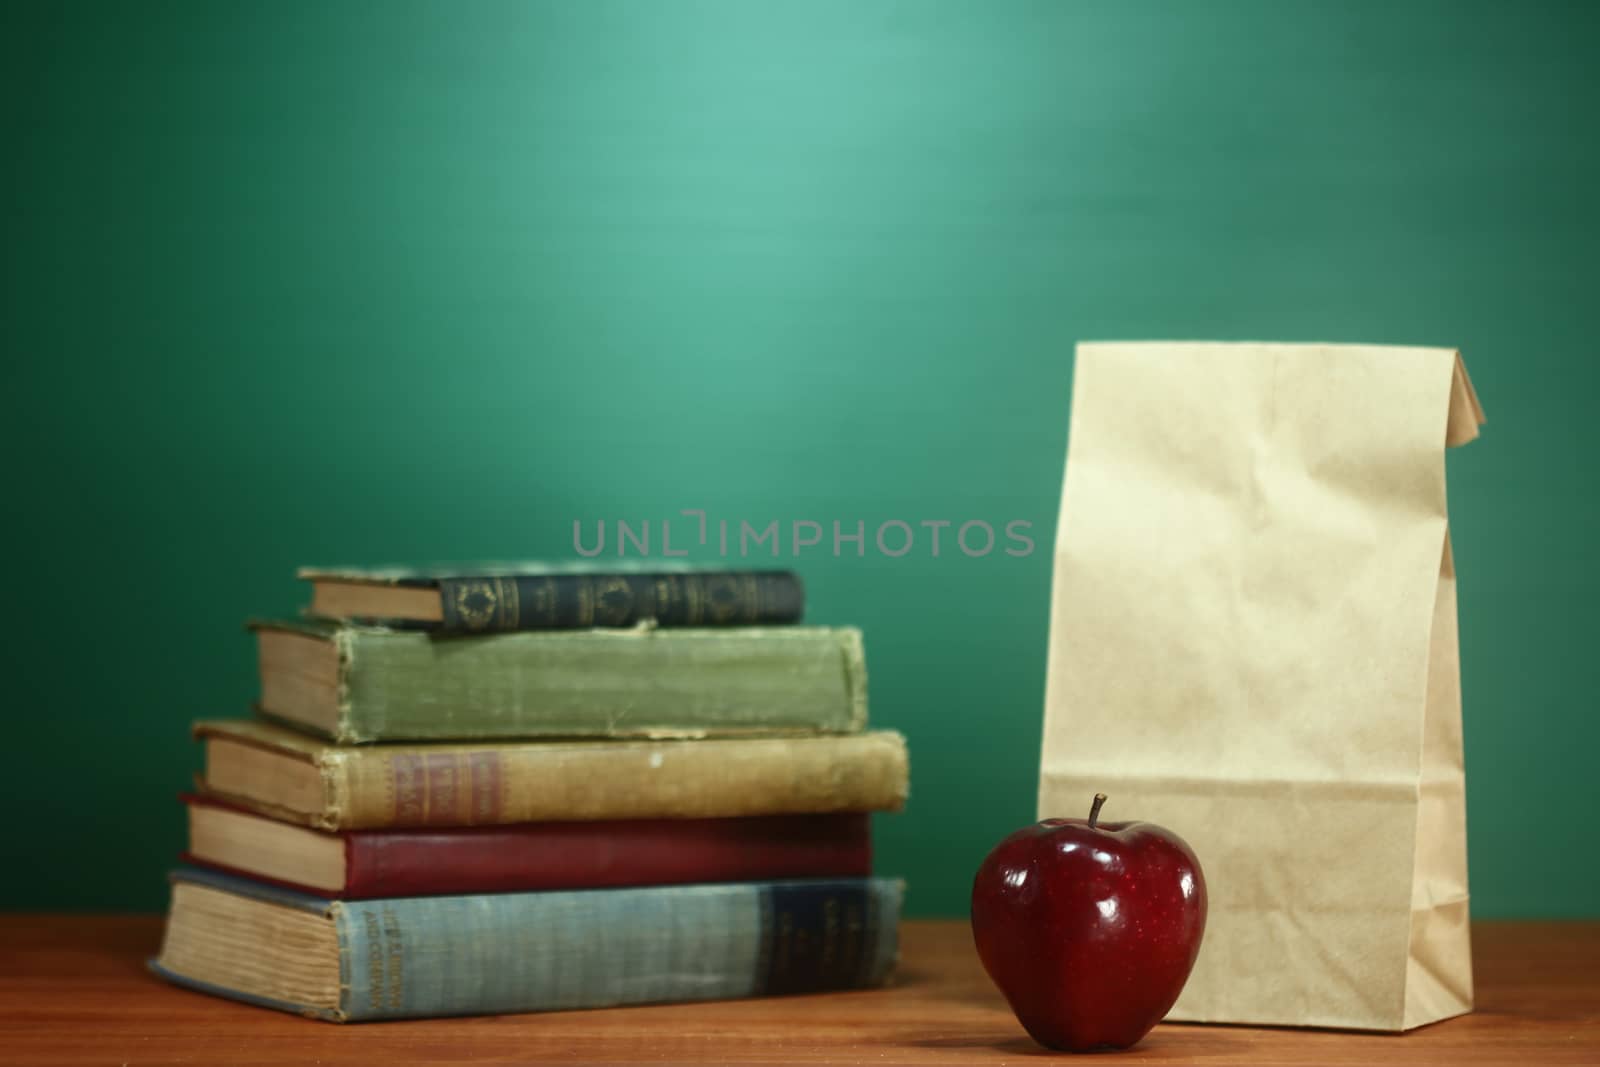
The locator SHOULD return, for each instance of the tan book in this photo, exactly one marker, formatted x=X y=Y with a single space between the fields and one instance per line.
x=299 y=778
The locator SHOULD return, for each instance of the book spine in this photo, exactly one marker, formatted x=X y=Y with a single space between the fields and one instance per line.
x=407 y=686
x=732 y=598
x=603 y=855
x=415 y=786
x=520 y=952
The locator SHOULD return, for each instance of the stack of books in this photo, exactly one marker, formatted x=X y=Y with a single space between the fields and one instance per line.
x=536 y=788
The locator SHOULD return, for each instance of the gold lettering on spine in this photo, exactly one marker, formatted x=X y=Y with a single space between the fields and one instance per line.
x=485 y=776
x=443 y=788
x=375 y=957
x=510 y=604
x=405 y=773
x=394 y=954
x=545 y=602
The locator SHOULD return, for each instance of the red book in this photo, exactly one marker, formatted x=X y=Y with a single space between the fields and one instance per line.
x=362 y=864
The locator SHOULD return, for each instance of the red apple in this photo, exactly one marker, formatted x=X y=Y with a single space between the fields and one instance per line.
x=1090 y=929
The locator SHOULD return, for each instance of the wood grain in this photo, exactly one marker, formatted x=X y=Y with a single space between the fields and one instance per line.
x=73 y=990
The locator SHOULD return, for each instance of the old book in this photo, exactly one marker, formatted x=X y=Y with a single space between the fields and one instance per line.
x=295 y=777
x=362 y=683
x=480 y=598
x=362 y=864
x=411 y=957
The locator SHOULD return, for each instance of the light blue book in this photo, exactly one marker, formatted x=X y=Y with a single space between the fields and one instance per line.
x=410 y=957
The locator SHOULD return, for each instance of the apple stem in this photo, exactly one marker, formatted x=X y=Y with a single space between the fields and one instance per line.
x=1094 y=812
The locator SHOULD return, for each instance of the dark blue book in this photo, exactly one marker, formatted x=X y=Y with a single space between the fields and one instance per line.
x=496 y=597
x=410 y=957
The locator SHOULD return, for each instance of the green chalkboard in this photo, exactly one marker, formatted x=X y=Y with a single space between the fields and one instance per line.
x=375 y=282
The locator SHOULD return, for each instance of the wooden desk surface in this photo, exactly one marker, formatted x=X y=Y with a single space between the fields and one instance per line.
x=73 y=990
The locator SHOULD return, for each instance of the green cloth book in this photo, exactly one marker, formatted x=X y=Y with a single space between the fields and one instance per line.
x=356 y=684
x=414 y=957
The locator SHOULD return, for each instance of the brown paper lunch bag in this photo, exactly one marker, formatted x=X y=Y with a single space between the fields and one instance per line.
x=1253 y=643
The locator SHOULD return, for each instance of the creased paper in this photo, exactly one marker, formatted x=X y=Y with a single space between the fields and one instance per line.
x=1253 y=643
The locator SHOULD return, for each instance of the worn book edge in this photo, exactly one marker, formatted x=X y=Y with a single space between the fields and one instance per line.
x=332 y=762
x=882 y=969
x=432 y=574
x=347 y=636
